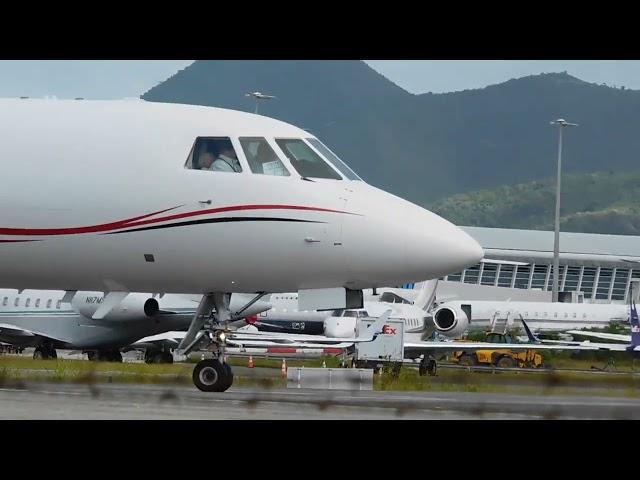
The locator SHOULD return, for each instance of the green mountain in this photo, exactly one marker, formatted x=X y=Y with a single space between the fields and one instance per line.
x=595 y=203
x=426 y=147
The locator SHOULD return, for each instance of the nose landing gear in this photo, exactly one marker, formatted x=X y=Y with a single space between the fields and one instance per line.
x=212 y=375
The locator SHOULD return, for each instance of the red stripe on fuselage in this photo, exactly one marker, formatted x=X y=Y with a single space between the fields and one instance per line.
x=75 y=230
x=138 y=221
x=229 y=209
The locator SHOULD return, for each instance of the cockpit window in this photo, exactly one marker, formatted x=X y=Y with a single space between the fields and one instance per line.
x=214 y=154
x=363 y=314
x=350 y=313
x=333 y=158
x=261 y=157
x=306 y=162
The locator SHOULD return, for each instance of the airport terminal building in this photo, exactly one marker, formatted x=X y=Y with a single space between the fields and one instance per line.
x=600 y=266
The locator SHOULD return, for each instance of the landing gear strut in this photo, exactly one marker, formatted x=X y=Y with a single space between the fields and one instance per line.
x=104 y=356
x=212 y=375
x=45 y=352
x=428 y=366
x=158 y=357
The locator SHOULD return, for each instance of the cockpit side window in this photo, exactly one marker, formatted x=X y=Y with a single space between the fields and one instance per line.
x=213 y=154
x=306 y=161
x=261 y=157
x=350 y=313
x=333 y=158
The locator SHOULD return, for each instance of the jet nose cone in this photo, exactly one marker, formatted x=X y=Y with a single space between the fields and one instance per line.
x=465 y=250
x=439 y=248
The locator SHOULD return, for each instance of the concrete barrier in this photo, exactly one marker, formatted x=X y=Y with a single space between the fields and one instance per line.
x=330 y=378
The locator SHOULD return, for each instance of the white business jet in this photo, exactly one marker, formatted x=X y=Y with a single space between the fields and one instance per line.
x=125 y=196
x=41 y=319
x=285 y=317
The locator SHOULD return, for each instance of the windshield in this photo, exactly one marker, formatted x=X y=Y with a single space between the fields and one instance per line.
x=333 y=158
x=261 y=157
x=306 y=161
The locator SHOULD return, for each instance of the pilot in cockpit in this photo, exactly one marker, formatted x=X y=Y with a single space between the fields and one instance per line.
x=206 y=159
x=226 y=160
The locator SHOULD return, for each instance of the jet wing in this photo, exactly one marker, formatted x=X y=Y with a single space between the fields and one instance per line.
x=166 y=336
x=444 y=346
x=605 y=336
x=168 y=339
x=248 y=340
x=12 y=331
x=257 y=343
x=285 y=338
x=372 y=333
x=6 y=329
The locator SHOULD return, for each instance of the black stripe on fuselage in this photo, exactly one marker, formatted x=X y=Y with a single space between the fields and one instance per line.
x=214 y=220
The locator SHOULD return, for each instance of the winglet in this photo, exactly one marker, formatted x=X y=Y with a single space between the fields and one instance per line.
x=635 y=326
x=377 y=327
x=111 y=301
x=427 y=295
x=68 y=296
x=530 y=335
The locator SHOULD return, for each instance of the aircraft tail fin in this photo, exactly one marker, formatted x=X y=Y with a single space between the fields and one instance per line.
x=530 y=335
x=635 y=326
x=427 y=294
x=376 y=328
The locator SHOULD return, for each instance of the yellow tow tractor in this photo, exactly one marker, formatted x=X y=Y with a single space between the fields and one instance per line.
x=500 y=358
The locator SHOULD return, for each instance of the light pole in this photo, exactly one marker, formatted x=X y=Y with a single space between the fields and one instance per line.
x=258 y=96
x=561 y=124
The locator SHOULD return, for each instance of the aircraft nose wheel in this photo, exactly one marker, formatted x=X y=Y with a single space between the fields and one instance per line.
x=212 y=376
x=428 y=366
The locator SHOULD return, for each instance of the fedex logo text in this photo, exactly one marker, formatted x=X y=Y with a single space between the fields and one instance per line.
x=387 y=330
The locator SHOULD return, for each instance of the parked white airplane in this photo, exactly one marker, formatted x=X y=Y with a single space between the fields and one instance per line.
x=250 y=336
x=454 y=317
x=632 y=340
x=284 y=316
x=42 y=319
x=133 y=196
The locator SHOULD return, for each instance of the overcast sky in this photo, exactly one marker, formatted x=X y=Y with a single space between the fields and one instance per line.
x=131 y=78
x=95 y=79
x=437 y=76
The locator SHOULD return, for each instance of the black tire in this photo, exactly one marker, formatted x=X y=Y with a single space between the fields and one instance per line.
x=505 y=362
x=468 y=360
x=432 y=367
x=53 y=354
x=108 y=356
x=167 y=357
x=211 y=376
x=229 y=376
x=92 y=356
x=161 y=357
x=39 y=354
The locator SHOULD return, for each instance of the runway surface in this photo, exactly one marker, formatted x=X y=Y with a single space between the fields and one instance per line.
x=125 y=401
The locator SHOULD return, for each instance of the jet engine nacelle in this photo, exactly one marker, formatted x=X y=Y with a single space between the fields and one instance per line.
x=135 y=306
x=340 y=327
x=451 y=320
